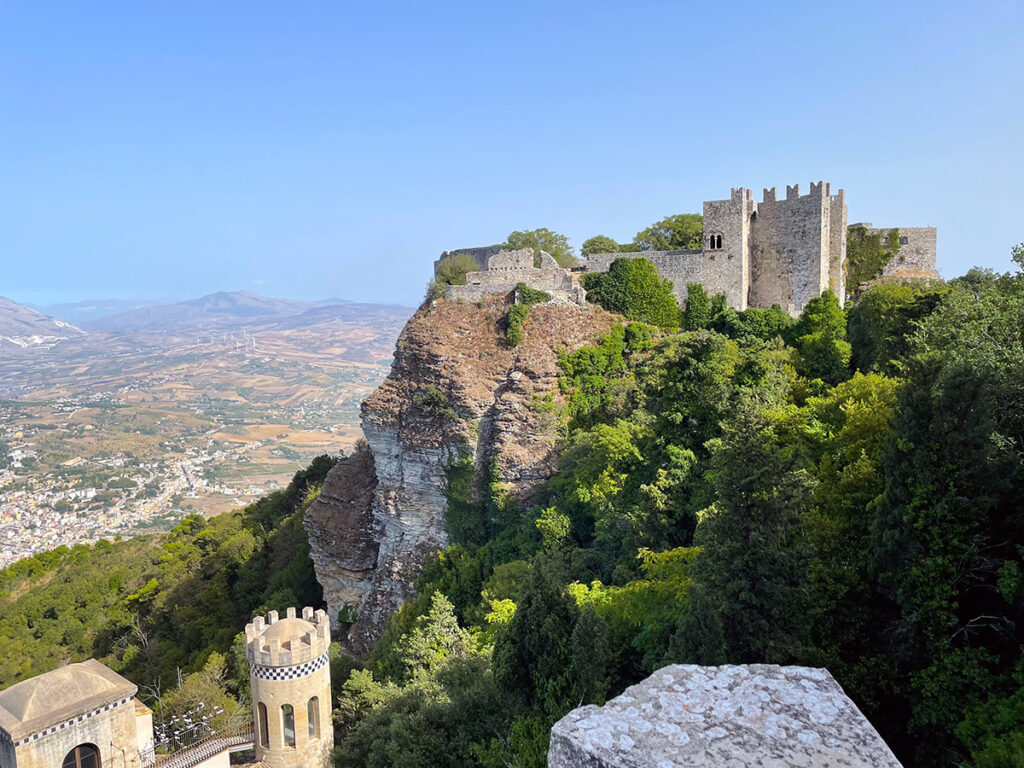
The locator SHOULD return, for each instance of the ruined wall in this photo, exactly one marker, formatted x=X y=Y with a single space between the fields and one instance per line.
x=506 y=269
x=790 y=254
x=837 y=245
x=918 y=246
x=481 y=255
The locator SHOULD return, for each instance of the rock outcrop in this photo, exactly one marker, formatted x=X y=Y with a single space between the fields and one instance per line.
x=686 y=715
x=456 y=390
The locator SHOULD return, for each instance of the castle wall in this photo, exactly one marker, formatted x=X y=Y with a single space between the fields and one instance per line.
x=791 y=242
x=717 y=271
x=731 y=272
x=917 y=249
x=837 y=245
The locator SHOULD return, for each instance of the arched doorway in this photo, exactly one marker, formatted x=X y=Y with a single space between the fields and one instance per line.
x=82 y=756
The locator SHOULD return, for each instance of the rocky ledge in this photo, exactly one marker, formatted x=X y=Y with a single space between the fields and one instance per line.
x=456 y=390
x=687 y=715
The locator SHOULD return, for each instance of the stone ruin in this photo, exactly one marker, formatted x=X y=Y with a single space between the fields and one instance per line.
x=501 y=270
x=688 y=715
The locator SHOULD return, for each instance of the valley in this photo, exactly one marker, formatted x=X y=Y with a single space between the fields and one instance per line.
x=123 y=430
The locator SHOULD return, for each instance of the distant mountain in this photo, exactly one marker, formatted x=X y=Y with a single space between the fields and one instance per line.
x=81 y=312
x=22 y=327
x=216 y=310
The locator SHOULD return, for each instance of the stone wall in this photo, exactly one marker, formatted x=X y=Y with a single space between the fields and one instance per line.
x=717 y=271
x=481 y=255
x=112 y=733
x=686 y=715
x=505 y=269
x=917 y=250
x=730 y=219
x=791 y=243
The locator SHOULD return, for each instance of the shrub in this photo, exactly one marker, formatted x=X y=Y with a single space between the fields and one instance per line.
x=526 y=295
x=632 y=287
x=435 y=404
x=451 y=270
x=514 y=323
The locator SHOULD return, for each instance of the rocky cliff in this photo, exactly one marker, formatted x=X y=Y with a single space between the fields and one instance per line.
x=456 y=390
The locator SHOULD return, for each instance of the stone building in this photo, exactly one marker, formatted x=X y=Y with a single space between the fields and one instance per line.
x=77 y=716
x=86 y=716
x=291 y=689
x=692 y=716
x=758 y=253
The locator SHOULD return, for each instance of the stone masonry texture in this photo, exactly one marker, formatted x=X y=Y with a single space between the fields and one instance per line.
x=729 y=717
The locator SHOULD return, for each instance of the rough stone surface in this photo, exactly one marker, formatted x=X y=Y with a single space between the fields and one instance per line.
x=503 y=270
x=381 y=513
x=730 y=716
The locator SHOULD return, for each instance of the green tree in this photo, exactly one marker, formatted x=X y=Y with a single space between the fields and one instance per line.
x=949 y=532
x=820 y=340
x=633 y=287
x=750 y=599
x=697 y=315
x=543 y=240
x=882 y=322
x=599 y=244
x=682 y=231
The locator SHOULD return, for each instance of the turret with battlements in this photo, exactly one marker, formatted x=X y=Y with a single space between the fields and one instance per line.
x=291 y=688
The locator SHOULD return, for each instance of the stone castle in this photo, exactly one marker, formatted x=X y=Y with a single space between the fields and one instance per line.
x=757 y=253
x=85 y=715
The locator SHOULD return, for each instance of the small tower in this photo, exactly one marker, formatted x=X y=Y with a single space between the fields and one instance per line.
x=291 y=689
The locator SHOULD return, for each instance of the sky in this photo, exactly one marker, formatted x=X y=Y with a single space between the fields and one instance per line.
x=313 y=150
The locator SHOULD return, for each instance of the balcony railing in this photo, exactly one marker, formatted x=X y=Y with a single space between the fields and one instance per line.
x=232 y=739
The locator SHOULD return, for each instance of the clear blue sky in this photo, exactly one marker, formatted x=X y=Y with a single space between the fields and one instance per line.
x=334 y=149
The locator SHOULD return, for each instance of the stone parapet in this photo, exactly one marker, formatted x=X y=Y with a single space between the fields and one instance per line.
x=688 y=715
x=275 y=642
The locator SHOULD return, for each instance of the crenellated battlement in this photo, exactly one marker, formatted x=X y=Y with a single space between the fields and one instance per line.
x=277 y=642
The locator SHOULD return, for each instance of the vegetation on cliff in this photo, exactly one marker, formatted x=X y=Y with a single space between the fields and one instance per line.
x=157 y=607
x=740 y=492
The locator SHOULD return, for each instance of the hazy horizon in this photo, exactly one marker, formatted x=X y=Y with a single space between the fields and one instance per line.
x=318 y=150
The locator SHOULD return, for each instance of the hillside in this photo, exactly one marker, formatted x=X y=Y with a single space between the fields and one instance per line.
x=533 y=526
x=119 y=432
x=25 y=328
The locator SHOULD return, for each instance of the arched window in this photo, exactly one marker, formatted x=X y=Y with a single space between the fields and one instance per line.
x=718 y=241
x=313 y=717
x=82 y=756
x=264 y=729
x=288 y=724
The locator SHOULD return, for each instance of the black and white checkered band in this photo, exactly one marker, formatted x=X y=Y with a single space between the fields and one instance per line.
x=288 y=673
x=63 y=726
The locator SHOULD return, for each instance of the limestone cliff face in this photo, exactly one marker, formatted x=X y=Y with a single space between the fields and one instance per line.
x=381 y=513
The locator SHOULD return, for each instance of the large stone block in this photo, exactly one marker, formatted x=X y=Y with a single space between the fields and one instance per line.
x=752 y=715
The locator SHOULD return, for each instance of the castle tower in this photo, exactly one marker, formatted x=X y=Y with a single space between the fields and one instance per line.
x=291 y=689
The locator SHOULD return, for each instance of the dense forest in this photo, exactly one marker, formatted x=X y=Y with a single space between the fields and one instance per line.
x=841 y=490
x=838 y=490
